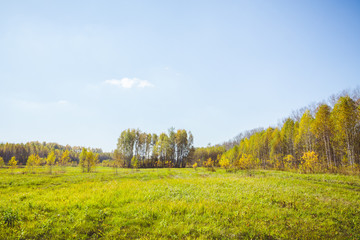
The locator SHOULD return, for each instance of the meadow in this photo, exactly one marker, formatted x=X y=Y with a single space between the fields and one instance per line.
x=178 y=204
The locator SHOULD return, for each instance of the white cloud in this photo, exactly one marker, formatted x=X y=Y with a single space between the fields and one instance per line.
x=144 y=83
x=129 y=83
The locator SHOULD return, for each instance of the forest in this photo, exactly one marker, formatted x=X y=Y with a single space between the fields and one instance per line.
x=22 y=152
x=324 y=137
x=135 y=149
x=321 y=138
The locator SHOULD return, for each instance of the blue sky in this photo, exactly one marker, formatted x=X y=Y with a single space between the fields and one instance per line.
x=80 y=72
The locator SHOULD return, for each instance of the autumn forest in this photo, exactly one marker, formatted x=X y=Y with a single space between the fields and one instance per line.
x=323 y=137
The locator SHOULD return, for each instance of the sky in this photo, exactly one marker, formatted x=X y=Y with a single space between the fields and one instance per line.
x=81 y=72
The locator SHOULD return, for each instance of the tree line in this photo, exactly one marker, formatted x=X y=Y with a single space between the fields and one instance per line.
x=135 y=149
x=140 y=149
x=87 y=161
x=323 y=137
x=22 y=152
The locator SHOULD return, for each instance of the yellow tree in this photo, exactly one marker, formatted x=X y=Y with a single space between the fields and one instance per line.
x=37 y=160
x=305 y=136
x=195 y=165
x=65 y=159
x=88 y=160
x=276 y=152
x=322 y=128
x=245 y=161
x=13 y=163
x=224 y=163
x=50 y=161
x=2 y=163
x=266 y=145
x=345 y=118
x=209 y=163
x=30 y=163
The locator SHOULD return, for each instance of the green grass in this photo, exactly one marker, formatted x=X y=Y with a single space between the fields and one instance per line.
x=178 y=204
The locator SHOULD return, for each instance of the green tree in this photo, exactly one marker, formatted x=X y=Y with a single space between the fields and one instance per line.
x=82 y=159
x=162 y=147
x=181 y=141
x=126 y=143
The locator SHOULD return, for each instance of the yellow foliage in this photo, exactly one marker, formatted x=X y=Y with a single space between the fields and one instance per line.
x=245 y=161
x=32 y=162
x=194 y=166
x=158 y=163
x=65 y=158
x=224 y=163
x=277 y=161
x=289 y=162
x=209 y=163
x=12 y=163
x=310 y=162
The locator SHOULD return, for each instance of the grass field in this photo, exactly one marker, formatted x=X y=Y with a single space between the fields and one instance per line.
x=178 y=204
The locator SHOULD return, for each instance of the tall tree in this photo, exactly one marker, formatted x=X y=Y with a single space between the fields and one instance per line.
x=305 y=136
x=126 y=143
x=182 y=148
x=162 y=147
x=288 y=136
x=322 y=128
x=345 y=118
